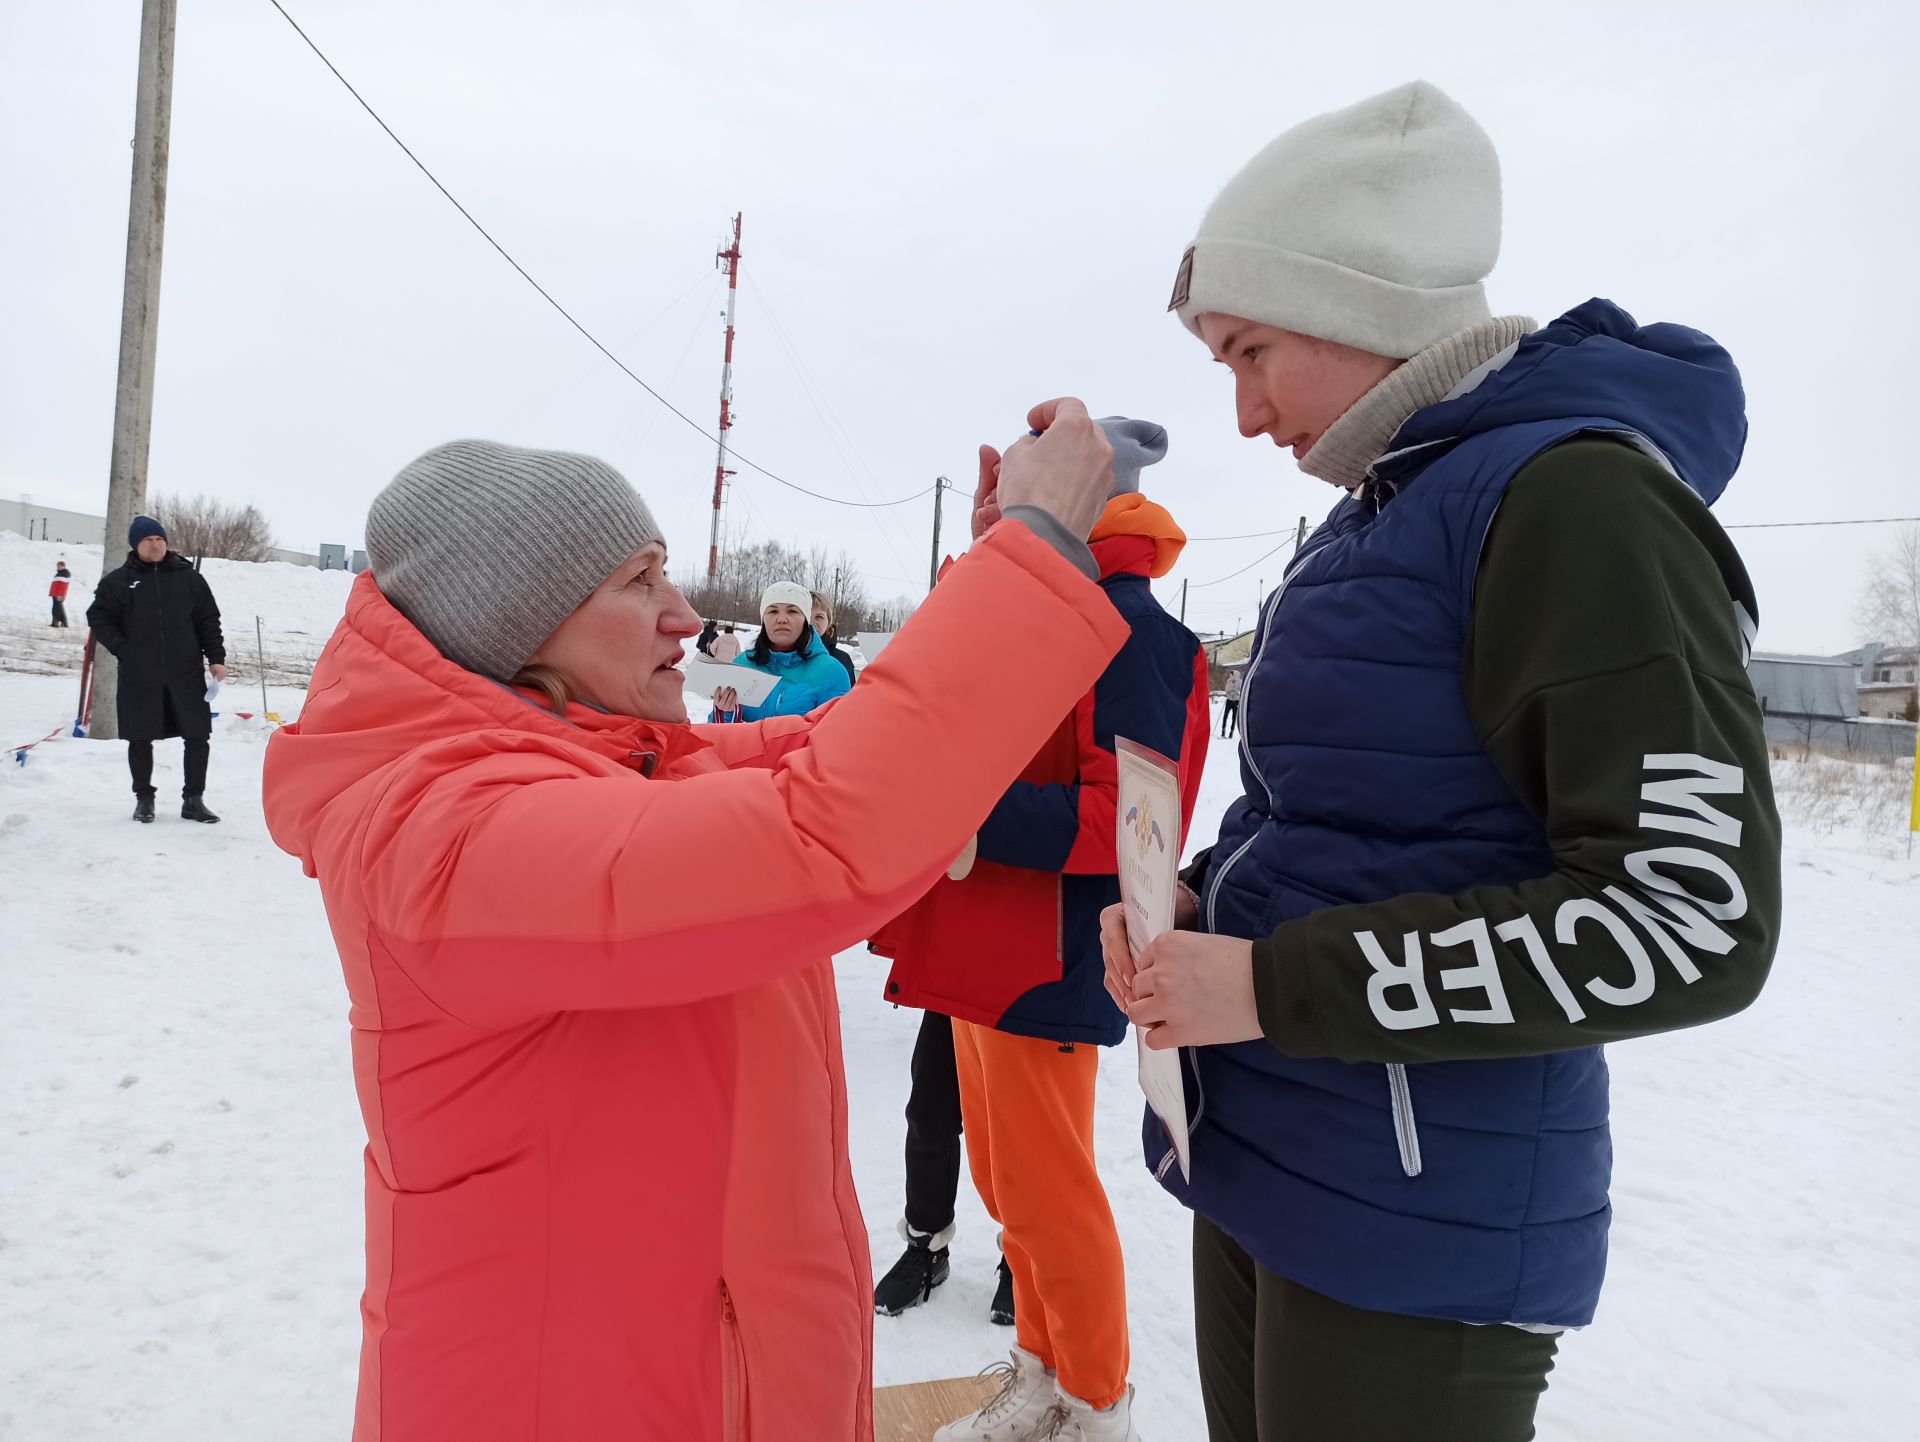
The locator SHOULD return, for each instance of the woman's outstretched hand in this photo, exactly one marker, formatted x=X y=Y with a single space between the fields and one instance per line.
x=1066 y=470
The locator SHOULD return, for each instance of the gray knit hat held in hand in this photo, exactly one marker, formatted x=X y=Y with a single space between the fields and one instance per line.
x=487 y=548
x=1373 y=226
x=1136 y=444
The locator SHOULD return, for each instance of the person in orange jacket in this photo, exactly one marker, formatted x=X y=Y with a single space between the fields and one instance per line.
x=1008 y=947
x=607 y=1183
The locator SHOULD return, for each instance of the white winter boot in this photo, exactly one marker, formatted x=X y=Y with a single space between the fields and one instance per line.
x=1018 y=1412
x=1109 y=1424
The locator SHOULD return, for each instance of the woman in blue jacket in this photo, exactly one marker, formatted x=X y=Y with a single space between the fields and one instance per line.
x=787 y=648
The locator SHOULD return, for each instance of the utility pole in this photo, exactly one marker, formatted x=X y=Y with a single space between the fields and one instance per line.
x=1261 y=582
x=1300 y=536
x=940 y=483
x=729 y=260
x=1183 y=601
x=139 y=312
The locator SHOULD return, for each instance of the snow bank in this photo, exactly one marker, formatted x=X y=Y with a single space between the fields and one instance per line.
x=298 y=607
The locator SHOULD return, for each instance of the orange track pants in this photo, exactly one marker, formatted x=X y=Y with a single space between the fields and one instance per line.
x=1028 y=1111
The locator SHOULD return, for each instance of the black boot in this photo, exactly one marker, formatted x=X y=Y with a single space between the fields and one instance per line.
x=143 y=806
x=1001 y=1312
x=921 y=1268
x=192 y=809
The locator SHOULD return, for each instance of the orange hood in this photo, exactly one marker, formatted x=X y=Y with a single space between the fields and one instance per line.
x=1134 y=515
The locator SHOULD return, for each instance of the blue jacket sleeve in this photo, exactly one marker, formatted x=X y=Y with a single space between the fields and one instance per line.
x=1069 y=827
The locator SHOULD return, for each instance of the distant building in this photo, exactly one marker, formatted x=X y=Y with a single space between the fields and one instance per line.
x=1229 y=652
x=36 y=522
x=1823 y=688
x=1818 y=703
x=1889 y=680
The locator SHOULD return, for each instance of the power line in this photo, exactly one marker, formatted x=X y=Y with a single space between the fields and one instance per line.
x=545 y=295
x=1244 y=536
x=1788 y=525
x=1201 y=585
x=1739 y=526
x=575 y=381
x=686 y=350
x=820 y=392
x=804 y=375
x=1744 y=526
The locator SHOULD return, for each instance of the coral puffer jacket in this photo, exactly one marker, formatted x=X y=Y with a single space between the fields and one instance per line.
x=608 y=1192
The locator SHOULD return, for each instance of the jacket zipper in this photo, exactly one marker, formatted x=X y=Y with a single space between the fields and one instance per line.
x=1167 y=1162
x=1215 y=877
x=733 y=1372
x=160 y=606
x=1405 y=1132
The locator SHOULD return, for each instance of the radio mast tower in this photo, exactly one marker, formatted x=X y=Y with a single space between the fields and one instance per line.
x=729 y=262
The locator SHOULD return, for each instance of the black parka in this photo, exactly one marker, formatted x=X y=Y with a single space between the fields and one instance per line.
x=162 y=623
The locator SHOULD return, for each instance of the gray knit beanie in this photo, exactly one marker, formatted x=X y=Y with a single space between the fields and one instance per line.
x=1136 y=444
x=1372 y=226
x=487 y=548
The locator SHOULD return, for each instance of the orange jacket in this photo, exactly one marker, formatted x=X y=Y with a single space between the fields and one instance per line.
x=608 y=1193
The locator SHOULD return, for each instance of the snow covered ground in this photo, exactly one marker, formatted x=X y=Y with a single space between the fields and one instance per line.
x=180 y=1168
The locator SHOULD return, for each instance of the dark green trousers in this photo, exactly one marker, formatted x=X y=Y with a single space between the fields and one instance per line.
x=1280 y=1363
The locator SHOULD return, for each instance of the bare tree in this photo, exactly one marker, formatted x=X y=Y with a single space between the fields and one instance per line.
x=748 y=569
x=1890 y=600
x=202 y=525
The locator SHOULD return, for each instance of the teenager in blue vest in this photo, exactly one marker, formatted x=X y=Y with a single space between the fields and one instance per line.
x=787 y=648
x=1506 y=795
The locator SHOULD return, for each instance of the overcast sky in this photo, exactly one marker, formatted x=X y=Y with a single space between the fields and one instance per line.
x=951 y=212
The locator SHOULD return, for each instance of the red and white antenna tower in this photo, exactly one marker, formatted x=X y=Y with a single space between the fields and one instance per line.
x=730 y=263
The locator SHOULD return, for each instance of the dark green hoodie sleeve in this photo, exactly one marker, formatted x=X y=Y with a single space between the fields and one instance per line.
x=1606 y=673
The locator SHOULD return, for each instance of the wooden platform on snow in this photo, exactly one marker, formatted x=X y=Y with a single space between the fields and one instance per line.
x=911 y=1413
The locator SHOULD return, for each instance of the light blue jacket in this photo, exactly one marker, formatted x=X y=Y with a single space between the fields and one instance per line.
x=809 y=677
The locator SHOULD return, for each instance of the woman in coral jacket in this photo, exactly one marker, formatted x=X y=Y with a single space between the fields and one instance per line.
x=607 y=1184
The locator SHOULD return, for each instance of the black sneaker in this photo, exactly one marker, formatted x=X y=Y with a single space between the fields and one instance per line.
x=143 y=806
x=1001 y=1312
x=921 y=1268
x=194 y=809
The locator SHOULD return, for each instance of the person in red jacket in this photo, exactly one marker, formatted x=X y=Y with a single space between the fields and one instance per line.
x=62 y=579
x=1008 y=947
x=608 y=1191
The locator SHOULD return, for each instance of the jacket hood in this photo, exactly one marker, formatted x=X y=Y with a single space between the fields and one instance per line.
x=382 y=690
x=1134 y=516
x=1674 y=388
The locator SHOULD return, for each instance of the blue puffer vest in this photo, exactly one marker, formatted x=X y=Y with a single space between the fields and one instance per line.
x=1470 y=1190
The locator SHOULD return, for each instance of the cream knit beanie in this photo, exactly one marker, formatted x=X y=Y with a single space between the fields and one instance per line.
x=1372 y=226
x=787 y=593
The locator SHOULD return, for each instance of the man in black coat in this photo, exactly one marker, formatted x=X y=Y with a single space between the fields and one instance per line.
x=157 y=615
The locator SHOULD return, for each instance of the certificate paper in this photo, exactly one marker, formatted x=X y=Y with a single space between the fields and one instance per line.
x=705 y=676
x=1148 y=846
